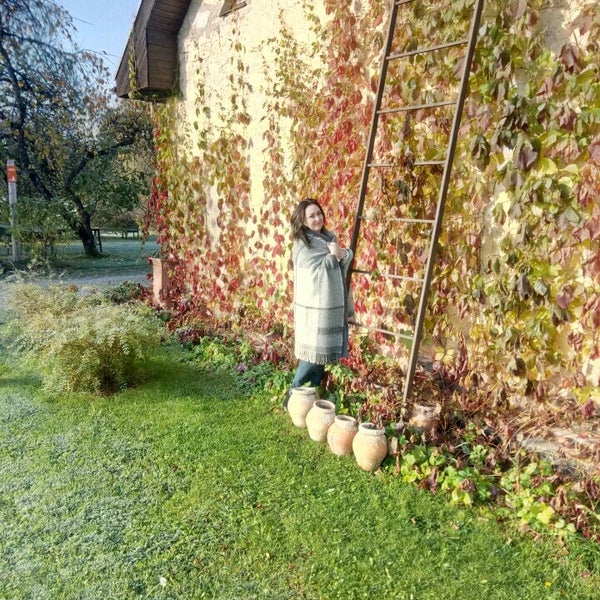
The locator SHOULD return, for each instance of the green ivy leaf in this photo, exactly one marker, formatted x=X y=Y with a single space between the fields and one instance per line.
x=540 y=288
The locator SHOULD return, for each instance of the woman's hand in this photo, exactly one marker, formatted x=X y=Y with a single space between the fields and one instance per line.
x=337 y=250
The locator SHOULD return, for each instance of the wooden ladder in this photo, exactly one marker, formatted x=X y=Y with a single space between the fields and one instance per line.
x=405 y=210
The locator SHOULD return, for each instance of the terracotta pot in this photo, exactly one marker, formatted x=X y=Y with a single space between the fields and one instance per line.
x=341 y=434
x=424 y=418
x=300 y=402
x=319 y=419
x=370 y=446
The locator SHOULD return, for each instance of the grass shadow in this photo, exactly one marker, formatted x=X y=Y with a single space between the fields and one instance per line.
x=19 y=381
x=164 y=378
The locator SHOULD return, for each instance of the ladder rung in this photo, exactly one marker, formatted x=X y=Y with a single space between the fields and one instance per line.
x=417 y=163
x=401 y=220
x=403 y=277
x=415 y=107
x=428 y=163
x=428 y=50
x=380 y=330
x=390 y=276
x=410 y=220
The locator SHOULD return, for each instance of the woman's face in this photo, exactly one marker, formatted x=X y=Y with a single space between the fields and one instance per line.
x=313 y=218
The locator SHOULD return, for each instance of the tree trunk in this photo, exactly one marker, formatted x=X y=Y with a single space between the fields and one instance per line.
x=86 y=235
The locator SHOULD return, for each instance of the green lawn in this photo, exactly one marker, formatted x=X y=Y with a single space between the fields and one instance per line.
x=119 y=255
x=188 y=488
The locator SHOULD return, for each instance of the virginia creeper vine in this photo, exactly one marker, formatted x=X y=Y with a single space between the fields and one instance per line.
x=514 y=305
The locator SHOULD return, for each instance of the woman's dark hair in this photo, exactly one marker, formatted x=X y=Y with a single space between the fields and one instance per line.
x=299 y=229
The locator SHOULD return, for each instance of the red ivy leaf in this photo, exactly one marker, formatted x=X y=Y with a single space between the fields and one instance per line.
x=344 y=130
x=374 y=83
x=583 y=23
x=351 y=145
x=592 y=265
x=589 y=409
x=564 y=298
x=594 y=150
x=377 y=308
x=570 y=58
x=592 y=311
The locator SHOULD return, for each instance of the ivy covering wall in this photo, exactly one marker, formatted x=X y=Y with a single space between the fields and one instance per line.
x=514 y=310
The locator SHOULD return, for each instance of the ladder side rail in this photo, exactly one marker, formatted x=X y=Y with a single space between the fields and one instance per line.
x=372 y=134
x=418 y=330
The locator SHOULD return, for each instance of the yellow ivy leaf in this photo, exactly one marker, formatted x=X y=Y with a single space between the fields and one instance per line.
x=571 y=168
x=505 y=201
x=545 y=166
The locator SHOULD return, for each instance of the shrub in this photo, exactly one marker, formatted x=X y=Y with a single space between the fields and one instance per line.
x=39 y=230
x=127 y=291
x=80 y=342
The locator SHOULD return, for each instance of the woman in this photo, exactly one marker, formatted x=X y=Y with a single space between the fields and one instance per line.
x=321 y=309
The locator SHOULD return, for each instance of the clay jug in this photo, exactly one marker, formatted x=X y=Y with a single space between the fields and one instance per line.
x=424 y=418
x=341 y=433
x=319 y=419
x=369 y=446
x=300 y=402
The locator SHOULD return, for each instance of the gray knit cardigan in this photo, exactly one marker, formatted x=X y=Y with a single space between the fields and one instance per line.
x=321 y=308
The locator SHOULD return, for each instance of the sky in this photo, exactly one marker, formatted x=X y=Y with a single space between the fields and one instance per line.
x=103 y=26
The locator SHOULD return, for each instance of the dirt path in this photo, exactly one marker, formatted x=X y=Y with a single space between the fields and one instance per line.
x=83 y=282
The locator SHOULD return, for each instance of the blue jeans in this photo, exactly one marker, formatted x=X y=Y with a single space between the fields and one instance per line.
x=308 y=372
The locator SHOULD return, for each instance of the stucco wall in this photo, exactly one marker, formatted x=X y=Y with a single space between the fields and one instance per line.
x=216 y=52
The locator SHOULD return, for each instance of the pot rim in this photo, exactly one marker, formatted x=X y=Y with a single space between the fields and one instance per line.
x=305 y=391
x=324 y=404
x=370 y=428
x=346 y=418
